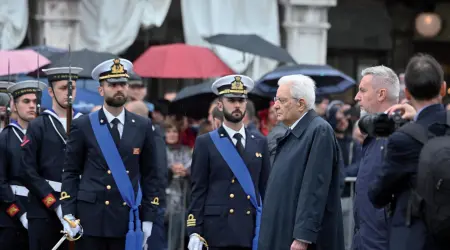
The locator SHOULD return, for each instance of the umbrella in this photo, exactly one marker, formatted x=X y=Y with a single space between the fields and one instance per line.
x=86 y=59
x=180 y=61
x=252 y=44
x=328 y=79
x=20 y=61
x=193 y=101
x=46 y=51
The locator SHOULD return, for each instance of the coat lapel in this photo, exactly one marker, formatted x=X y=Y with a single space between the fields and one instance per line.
x=128 y=136
x=250 y=147
x=250 y=144
x=304 y=123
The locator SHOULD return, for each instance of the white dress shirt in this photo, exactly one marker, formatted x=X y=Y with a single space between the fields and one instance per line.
x=121 y=118
x=296 y=122
x=232 y=132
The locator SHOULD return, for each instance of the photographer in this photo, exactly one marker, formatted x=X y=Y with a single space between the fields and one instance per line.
x=425 y=87
x=378 y=90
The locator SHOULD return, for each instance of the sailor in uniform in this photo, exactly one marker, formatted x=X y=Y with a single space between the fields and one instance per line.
x=120 y=192
x=13 y=212
x=229 y=171
x=44 y=147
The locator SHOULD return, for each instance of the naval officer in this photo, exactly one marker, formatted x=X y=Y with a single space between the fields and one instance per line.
x=229 y=171
x=13 y=212
x=120 y=191
x=44 y=147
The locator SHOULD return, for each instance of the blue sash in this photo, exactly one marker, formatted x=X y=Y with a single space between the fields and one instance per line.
x=109 y=150
x=240 y=170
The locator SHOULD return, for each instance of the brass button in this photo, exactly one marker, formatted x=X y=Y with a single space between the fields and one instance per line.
x=232 y=181
x=248 y=197
x=106 y=203
x=231 y=211
x=124 y=203
x=128 y=172
x=108 y=187
x=231 y=195
x=109 y=171
x=248 y=212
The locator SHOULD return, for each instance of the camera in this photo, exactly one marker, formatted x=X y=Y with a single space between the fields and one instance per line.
x=381 y=124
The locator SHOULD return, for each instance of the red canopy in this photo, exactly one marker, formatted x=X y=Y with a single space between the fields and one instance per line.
x=180 y=61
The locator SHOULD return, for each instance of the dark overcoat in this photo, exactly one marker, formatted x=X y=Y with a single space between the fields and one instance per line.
x=302 y=198
x=392 y=184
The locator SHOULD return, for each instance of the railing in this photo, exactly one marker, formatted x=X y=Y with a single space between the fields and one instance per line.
x=350 y=222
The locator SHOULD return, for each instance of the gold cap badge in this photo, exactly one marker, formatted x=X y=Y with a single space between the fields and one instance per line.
x=117 y=67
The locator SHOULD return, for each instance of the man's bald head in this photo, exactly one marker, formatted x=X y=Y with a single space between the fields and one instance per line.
x=137 y=107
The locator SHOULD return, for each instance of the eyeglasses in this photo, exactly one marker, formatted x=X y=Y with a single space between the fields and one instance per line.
x=283 y=100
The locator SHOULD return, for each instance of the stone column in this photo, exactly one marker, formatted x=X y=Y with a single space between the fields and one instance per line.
x=57 y=23
x=306 y=25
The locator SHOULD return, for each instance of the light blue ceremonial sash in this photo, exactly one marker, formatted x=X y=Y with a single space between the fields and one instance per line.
x=240 y=170
x=109 y=150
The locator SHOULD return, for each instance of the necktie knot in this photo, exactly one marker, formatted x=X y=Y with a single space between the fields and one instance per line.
x=237 y=136
x=115 y=121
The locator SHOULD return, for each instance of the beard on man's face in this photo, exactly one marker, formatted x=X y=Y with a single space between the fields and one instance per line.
x=118 y=100
x=235 y=117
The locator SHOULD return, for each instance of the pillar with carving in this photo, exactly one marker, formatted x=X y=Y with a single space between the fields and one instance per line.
x=56 y=23
x=306 y=25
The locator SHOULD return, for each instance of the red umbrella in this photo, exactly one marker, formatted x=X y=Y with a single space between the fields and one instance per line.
x=180 y=61
x=20 y=61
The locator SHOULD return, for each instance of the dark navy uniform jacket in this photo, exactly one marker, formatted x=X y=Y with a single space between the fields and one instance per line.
x=12 y=206
x=95 y=198
x=220 y=210
x=43 y=151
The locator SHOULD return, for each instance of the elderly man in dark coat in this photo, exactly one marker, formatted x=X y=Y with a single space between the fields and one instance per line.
x=302 y=208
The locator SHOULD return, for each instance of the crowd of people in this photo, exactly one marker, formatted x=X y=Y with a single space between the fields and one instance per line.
x=237 y=179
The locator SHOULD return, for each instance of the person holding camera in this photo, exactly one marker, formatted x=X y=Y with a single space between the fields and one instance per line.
x=397 y=181
x=378 y=90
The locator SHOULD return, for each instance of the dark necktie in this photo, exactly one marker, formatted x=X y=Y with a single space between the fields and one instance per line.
x=115 y=131
x=239 y=145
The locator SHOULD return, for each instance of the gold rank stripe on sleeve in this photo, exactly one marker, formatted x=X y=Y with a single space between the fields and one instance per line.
x=155 y=201
x=49 y=200
x=191 y=221
x=12 y=210
x=64 y=196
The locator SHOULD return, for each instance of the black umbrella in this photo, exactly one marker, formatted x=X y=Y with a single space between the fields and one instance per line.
x=194 y=101
x=47 y=51
x=86 y=59
x=252 y=44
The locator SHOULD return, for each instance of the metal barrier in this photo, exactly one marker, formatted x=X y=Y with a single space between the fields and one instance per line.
x=350 y=224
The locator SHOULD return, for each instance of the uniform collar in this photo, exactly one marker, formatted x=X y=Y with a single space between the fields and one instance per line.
x=110 y=117
x=232 y=132
x=51 y=112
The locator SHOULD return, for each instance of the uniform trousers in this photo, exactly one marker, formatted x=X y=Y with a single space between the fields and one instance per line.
x=45 y=233
x=100 y=243
x=13 y=238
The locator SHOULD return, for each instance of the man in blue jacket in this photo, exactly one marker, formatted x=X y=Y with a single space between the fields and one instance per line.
x=378 y=90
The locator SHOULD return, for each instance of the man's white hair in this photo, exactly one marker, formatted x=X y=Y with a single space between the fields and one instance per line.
x=384 y=77
x=302 y=87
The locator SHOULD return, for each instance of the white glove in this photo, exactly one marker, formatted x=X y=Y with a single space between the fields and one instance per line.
x=24 y=220
x=58 y=211
x=195 y=243
x=72 y=232
x=147 y=230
